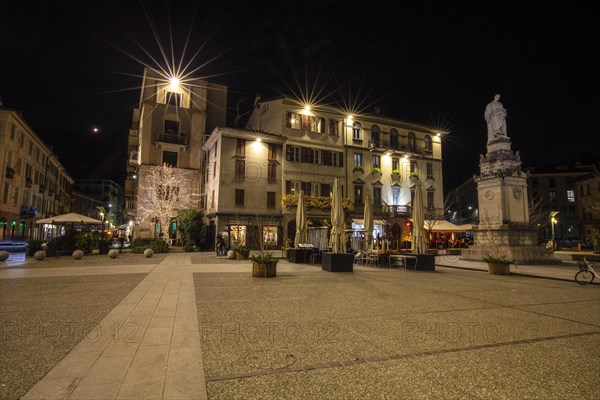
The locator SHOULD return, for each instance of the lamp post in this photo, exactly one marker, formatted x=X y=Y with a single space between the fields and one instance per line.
x=553 y=221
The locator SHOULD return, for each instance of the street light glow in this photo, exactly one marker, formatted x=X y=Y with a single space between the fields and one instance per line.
x=174 y=84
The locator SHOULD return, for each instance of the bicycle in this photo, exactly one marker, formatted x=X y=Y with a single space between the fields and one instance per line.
x=586 y=273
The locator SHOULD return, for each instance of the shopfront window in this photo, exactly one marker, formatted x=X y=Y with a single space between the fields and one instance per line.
x=238 y=235
x=270 y=236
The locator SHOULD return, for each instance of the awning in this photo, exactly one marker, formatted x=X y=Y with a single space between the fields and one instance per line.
x=362 y=221
x=443 y=226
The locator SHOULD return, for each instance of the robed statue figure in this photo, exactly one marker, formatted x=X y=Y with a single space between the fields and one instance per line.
x=495 y=116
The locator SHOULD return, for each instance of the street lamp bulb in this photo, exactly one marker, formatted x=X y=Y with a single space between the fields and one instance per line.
x=96 y=130
x=174 y=83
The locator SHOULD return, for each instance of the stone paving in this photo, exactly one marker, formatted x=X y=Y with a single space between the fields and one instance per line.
x=200 y=327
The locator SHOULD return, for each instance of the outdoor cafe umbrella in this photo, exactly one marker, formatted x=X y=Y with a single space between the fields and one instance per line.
x=368 y=216
x=336 y=241
x=418 y=217
x=300 y=221
x=70 y=218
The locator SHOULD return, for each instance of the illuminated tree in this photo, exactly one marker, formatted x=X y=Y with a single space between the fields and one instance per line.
x=163 y=192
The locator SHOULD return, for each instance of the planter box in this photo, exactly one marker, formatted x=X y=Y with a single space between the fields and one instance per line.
x=299 y=255
x=424 y=262
x=499 y=269
x=337 y=262
x=260 y=270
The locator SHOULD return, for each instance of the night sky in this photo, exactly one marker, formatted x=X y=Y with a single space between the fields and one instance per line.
x=70 y=66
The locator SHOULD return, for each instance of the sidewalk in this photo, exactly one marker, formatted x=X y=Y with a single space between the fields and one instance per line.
x=564 y=272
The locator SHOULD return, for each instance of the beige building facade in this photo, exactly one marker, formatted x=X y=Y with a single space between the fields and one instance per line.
x=292 y=147
x=169 y=127
x=33 y=183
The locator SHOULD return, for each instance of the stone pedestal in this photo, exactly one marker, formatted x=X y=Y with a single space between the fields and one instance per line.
x=516 y=241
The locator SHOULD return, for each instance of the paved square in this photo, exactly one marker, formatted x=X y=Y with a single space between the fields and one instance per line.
x=397 y=334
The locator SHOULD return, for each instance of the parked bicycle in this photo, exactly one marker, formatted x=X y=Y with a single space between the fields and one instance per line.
x=586 y=273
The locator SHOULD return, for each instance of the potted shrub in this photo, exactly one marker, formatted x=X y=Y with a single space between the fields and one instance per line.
x=242 y=253
x=359 y=168
x=498 y=264
x=377 y=170
x=264 y=265
x=413 y=176
x=396 y=173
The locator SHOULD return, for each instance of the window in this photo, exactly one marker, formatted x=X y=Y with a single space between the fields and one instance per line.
x=357 y=159
x=272 y=152
x=240 y=147
x=572 y=209
x=396 y=196
x=173 y=99
x=332 y=158
x=12 y=132
x=428 y=144
x=358 y=194
x=239 y=197
x=270 y=199
x=412 y=142
x=571 y=196
x=430 y=205
x=375 y=136
x=552 y=195
x=395 y=164
x=334 y=127
x=377 y=195
x=171 y=127
x=429 y=170
x=271 y=172
x=357 y=131
x=305 y=122
x=376 y=161
x=289 y=187
x=394 y=140
x=5 y=195
x=413 y=166
x=270 y=235
x=170 y=158
x=240 y=168
x=310 y=156
x=238 y=234
x=589 y=189
x=292 y=153
x=552 y=182
x=306 y=187
x=581 y=191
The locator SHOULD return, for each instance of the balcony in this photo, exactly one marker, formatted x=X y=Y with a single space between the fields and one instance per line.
x=397 y=211
x=133 y=156
x=28 y=182
x=173 y=138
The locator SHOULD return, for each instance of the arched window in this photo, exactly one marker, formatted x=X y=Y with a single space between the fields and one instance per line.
x=412 y=142
x=357 y=131
x=394 y=140
x=428 y=143
x=375 y=136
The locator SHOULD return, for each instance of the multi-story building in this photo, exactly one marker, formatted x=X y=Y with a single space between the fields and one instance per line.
x=553 y=189
x=462 y=203
x=289 y=147
x=587 y=186
x=108 y=193
x=170 y=126
x=88 y=206
x=33 y=182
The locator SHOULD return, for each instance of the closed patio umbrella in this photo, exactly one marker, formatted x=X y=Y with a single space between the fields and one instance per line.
x=300 y=221
x=368 y=216
x=418 y=240
x=336 y=241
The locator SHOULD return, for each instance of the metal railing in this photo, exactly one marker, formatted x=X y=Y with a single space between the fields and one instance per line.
x=175 y=138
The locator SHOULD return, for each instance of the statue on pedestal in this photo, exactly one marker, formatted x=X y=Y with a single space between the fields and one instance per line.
x=495 y=116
